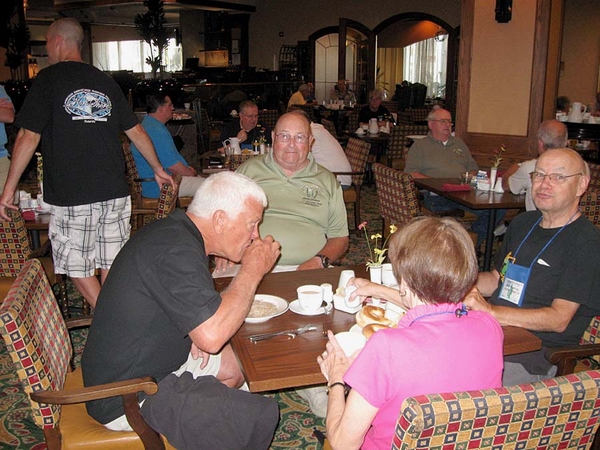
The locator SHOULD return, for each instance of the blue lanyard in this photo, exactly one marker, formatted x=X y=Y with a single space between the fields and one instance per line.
x=547 y=244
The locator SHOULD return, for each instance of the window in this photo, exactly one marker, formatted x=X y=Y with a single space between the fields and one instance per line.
x=425 y=62
x=131 y=55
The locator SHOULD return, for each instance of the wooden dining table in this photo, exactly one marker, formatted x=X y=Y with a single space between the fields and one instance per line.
x=282 y=362
x=476 y=199
x=34 y=226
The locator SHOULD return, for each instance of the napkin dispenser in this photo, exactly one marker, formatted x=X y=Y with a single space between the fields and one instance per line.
x=340 y=304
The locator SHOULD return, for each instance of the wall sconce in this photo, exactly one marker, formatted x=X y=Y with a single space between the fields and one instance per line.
x=440 y=35
x=503 y=11
x=33 y=67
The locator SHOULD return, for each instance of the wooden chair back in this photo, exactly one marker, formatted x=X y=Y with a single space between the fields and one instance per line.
x=560 y=412
x=357 y=152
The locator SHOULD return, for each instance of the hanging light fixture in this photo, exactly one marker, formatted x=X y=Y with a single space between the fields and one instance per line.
x=440 y=35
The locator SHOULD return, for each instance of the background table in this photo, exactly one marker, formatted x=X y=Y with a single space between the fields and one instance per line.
x=475 y=199
x=282 y=362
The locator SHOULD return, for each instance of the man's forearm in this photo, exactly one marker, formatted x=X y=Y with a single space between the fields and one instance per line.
x=487 y=282
x=335 y=248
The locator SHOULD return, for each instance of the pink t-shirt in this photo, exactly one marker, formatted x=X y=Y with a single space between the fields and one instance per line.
x=430 y=351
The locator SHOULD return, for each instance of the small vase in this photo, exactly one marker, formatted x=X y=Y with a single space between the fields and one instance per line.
x=493 y=175
x=375 y=273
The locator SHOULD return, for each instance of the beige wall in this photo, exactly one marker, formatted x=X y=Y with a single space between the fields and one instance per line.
x=298 y=19
x=501 y=69
x=580 y=51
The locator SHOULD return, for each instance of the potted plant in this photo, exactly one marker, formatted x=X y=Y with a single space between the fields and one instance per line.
x=151 y=27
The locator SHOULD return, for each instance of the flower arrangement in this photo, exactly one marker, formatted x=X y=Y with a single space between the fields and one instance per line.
x=497 y=157
x=262 y=139
x=376 y=253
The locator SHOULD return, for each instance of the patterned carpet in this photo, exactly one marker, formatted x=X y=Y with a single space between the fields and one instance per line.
x=295 y=430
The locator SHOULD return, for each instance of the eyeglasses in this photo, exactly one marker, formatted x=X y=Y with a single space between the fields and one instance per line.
x=298 y=139
x=375 y=98
x=251 y=116
x=448 y=121
x=556 y=178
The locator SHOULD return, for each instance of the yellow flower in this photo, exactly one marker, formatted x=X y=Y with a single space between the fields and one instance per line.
x=376 y=254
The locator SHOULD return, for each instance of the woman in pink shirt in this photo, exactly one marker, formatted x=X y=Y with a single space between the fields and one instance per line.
x=437 y=347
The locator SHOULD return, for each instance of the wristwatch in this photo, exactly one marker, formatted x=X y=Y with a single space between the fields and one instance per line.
x=324 y=260
x=340 y=383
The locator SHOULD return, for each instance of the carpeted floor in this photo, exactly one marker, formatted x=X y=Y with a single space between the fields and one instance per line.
x=295 y=430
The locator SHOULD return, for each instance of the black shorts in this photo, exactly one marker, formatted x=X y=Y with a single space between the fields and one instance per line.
x=203 y=413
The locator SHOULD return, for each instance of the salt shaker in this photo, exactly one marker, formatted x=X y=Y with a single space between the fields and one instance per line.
x=327 y=292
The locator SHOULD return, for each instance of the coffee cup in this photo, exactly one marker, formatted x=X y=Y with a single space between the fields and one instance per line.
x=387 y=275
x=310 y=297
x=187 y=106
x=345 y=276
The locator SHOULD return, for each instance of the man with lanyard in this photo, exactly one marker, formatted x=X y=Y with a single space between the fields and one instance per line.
x=546 y=275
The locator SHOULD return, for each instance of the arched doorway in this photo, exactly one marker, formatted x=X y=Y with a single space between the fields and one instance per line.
x=356 y=61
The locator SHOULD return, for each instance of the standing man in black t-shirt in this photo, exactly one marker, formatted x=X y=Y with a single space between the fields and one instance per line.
x=77 y=112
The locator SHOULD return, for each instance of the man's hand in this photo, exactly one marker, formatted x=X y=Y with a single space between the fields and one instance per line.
x=163 y=177
x=475 y=301
x=312 y=263
x=7 y=201
x=261 y=255
x=222 y=264
x=242 y=136
x=197 y=353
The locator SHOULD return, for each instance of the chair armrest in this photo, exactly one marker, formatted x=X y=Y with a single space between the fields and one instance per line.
x=86 y=394
x=348 y=173
x=566 y=357
x=44 y=250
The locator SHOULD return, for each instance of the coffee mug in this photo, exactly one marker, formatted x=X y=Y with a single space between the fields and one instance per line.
x=310 y=297
x=387 y=275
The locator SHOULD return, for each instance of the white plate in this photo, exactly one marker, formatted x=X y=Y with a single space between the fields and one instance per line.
x=296 y=308
x=282 y=306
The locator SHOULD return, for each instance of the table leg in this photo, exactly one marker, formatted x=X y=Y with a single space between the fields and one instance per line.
x=489 y=241
x=34 y=235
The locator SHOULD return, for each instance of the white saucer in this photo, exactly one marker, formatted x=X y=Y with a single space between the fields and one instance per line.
x=356 y=328
x=296 y=308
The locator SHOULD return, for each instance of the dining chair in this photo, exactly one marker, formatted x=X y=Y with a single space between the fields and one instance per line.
x=594 y=176
x=141 y=207
x=590 y=205
x=167 y=198
x=397 y=195
x=330 y=126
x=268 y=118
x=418 y=114
x=559 y=412
x=357 y=152
x=16 y=249
x=37 y=339
x=353 y=118
x=391 y=105
x=397 y=148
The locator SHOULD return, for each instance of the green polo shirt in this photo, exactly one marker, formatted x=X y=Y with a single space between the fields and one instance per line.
x=434 y=159
x=304 y=209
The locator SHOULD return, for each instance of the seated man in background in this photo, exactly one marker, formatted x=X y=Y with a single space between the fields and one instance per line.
x=442 y=155
x=373 y=110
x=160 y=111
x=306 y=211
x=247 y=129
x=555 y=253
x=328 y=152
x=341 y=91
x=301 y=96
x=517 y=179
x=159 y=315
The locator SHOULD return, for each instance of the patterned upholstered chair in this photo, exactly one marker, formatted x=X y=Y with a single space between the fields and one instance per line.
x=580 y=357
x=391 y=106
x=418 y=114
x=560 y=412
x=268 y=117
x=594 y=176
x=590 y=205
x=353 y=119
x=397 y=145
x=141 y=207
x=357 y=152
x=37 y=339
x=167 y=199
x=397 y=195
x=15 y=250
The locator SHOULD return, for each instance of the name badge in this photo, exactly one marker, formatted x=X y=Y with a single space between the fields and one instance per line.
x=514 y=284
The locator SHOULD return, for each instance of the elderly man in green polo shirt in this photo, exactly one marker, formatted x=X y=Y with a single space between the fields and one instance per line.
x=306 y=211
